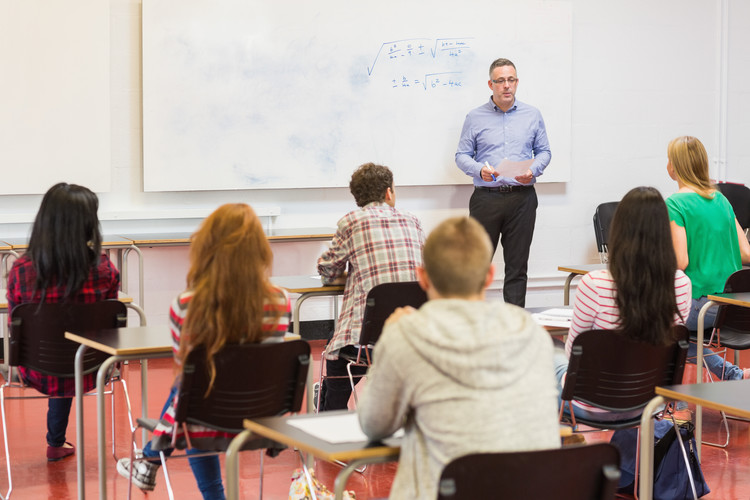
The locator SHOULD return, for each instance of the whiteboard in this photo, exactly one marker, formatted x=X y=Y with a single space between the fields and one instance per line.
x=54 y=83
x=245 y=94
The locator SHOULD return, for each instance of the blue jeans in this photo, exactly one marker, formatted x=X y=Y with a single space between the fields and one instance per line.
x=58 y=412
x=206 y=470
x=722 y=370
x=561 y=366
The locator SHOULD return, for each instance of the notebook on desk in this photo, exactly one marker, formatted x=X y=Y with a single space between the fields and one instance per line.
x=554 y=317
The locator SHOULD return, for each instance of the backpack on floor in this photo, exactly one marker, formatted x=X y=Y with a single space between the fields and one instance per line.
x=671 y=478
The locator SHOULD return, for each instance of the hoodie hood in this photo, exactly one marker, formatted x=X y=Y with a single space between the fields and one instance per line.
x=459 y=338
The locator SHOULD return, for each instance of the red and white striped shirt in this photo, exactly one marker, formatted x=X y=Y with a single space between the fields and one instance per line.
x=595 y=307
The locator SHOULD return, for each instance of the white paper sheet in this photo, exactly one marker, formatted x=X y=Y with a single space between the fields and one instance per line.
x=334 y=428
x=513 y=169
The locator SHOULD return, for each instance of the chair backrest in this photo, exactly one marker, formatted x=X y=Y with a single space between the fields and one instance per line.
x=571 y=473
x=617 y=373
x=735 y=317
x=382 y=300
x=252 y=380
x=37 y=334
x=602 y=221
x=739 y=197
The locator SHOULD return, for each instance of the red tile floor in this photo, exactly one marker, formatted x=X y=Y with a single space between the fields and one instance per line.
x=726 y=470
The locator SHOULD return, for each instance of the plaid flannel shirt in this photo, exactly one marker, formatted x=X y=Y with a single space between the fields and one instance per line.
x=102 y=284
x=380 y=245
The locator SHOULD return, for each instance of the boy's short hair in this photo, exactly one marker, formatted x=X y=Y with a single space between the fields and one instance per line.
x=457 y=257
x=369 y=183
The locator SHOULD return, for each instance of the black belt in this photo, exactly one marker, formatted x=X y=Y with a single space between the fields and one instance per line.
x=504 y=189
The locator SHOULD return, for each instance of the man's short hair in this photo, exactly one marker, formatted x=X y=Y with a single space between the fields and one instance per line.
x=457 y=257
x=500 y=62
x=369 y=183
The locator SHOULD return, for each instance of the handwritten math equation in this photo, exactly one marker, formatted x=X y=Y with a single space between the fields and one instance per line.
x=448 y=79
x=436 y=58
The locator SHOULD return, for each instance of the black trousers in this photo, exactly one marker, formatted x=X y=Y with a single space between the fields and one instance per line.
x=509 y=218
x=335 y=392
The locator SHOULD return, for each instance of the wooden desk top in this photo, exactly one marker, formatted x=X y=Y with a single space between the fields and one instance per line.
x=305 y=284
x=736 y=299
x=126 y=341
x=581 y=268
x=731 y=396
x=278 y=429
x=275 y=234
x=108 y=241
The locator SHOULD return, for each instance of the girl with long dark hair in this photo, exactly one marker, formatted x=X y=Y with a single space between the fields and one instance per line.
x=63 y=263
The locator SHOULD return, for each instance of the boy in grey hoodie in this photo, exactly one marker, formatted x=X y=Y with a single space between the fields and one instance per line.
x=461 y=375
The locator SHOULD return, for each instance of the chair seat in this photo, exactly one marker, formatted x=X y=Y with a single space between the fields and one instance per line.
x=734 y=339
x=706 y=335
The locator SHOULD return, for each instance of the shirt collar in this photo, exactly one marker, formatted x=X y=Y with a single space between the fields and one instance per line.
x=495 y=108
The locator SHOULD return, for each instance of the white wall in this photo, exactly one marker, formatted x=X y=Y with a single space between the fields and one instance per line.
x=643 y=72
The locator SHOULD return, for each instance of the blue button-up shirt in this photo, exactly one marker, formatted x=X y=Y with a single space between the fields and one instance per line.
x=491 y=135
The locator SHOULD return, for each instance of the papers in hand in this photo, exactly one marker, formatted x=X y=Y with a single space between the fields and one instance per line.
x=334 y=428
x=513 y=169
x=555 y=317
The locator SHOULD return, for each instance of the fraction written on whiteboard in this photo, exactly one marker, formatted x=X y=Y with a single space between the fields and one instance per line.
x=411 y=50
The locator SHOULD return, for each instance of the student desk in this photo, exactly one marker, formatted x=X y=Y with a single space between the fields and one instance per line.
x=356 y=454
x=127 y=343
x=734 y=299
x=576 y=270
x=141 y=240
x=732 y=396
x=122 y=247
x=306 y=286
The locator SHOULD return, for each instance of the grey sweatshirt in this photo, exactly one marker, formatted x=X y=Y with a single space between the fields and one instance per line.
x=461 y=377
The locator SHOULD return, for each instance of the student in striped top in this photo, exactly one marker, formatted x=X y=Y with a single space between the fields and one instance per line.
x=642 y=292
x=229 y=300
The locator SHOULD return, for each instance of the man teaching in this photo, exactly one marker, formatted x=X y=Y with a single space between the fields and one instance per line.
x=505 y=129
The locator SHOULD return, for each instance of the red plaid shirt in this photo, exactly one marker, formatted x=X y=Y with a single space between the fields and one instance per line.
x=380 y=245
x=102 y=284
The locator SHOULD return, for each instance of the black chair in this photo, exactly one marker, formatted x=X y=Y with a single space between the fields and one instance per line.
x=572 y=473
x=252 y=380
x=739 y=197
x=381 y=301
x=616 y=373
x=602 y=221
x=37 y=341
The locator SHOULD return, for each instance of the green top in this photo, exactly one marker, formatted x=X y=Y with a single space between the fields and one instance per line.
x=713 y=248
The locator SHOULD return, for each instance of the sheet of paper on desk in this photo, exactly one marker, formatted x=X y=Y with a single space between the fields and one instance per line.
x=512 y=169
x=334 y=428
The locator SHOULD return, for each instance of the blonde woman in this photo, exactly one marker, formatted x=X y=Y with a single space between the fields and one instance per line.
x=708 y=241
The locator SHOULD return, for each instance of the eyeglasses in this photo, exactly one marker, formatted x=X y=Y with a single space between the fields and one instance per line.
x=502 y=81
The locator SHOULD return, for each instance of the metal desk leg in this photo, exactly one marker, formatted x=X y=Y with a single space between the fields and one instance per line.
x=141 y=286
x=101 y=431
x=343 y=476
x=646 y=467
x=566 y=289
x=80 y=466
x=699 y=373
